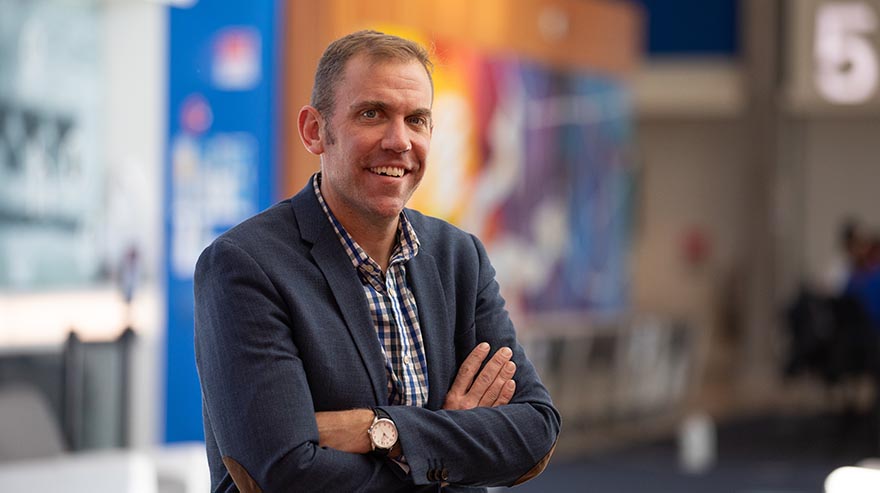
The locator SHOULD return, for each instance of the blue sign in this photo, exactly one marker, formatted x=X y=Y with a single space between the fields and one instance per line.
x=221 y=160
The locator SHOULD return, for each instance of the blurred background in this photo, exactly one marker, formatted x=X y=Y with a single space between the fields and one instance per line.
x=680 y=199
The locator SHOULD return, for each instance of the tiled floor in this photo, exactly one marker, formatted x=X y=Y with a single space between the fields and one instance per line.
x=762 y=455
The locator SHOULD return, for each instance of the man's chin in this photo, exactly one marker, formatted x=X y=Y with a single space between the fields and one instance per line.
x=389 y=209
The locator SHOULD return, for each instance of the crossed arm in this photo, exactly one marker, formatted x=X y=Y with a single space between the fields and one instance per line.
x=493 y=386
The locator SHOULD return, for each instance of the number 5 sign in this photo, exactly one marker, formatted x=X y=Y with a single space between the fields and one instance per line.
x=834 y=56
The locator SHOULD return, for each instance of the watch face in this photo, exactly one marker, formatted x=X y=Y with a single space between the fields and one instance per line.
x=383 y=434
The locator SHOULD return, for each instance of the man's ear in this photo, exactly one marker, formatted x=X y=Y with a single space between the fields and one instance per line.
x=310 y=123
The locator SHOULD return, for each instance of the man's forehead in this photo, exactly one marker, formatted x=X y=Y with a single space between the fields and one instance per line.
x=374 y=61
x=365 y=65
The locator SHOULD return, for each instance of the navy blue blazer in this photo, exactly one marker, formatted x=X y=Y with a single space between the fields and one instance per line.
x=283 y=329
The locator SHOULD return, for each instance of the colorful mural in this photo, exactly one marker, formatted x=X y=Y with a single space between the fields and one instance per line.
x=537 y=162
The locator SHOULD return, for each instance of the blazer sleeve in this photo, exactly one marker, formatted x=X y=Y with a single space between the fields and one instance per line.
x=255 y=393
x=499 y=446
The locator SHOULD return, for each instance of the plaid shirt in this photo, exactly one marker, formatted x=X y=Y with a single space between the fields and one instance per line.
x=393 y=309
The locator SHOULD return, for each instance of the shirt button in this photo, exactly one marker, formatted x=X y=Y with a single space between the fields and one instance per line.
x=406 y=360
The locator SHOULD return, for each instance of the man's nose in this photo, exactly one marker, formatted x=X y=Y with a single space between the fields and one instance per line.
x=397 y=137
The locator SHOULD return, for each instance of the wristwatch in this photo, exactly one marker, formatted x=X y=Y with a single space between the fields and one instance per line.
x=383 y=432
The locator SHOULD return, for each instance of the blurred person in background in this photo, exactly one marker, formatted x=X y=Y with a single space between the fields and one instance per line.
x=835 y=326
x=854 y=245
x=341 y=339
x=863 y=283
x=873 y=254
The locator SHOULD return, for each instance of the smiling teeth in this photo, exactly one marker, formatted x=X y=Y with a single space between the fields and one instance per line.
x=388 y=170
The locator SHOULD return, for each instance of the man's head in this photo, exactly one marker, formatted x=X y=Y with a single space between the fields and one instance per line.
x=371 y=123
x=853 y=239
x=376 y=46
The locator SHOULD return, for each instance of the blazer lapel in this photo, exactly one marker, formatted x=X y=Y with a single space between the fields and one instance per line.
x=345 y=285
x=424 y=278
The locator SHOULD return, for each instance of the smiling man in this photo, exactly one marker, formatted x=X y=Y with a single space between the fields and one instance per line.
x=346 y=343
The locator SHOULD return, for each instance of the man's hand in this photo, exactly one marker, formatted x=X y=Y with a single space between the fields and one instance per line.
x=494 y=386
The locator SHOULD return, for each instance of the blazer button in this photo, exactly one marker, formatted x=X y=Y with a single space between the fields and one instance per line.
x=444 y=474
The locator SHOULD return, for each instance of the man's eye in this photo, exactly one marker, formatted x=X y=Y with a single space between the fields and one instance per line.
x=418 y=120
x=370 y=114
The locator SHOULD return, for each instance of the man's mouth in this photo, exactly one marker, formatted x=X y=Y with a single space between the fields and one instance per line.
x=388 y=171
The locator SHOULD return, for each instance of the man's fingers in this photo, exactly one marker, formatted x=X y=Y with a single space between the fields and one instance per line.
x=490 y=373
x=493 y=386
x=493 y=393
x=506 y=393
x=468 y=369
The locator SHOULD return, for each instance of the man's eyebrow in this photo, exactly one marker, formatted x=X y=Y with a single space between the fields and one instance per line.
x=361 y=105
x=425 y=112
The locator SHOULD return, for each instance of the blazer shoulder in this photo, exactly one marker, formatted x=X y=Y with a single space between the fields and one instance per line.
x=447 y=243
x=280 y=221
x=433 y=230
x=275 y=221
x=285 y=230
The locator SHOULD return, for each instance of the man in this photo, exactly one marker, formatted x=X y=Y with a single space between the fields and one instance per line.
x=340 y=337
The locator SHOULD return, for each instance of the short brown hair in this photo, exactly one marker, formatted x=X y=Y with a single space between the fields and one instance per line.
x=374 y=44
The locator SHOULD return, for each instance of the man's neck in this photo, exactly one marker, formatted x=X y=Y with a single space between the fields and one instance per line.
x=375 y=234
x=377 y=238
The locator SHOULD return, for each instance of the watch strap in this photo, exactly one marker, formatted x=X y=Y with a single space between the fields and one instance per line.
x=381 y=413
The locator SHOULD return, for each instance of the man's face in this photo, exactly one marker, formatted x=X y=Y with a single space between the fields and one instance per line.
x=377 y=139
